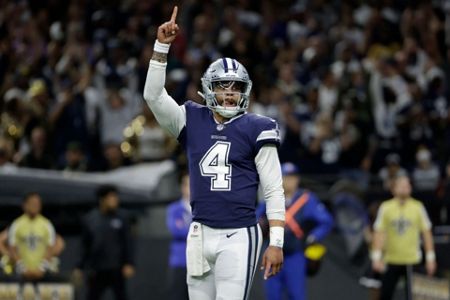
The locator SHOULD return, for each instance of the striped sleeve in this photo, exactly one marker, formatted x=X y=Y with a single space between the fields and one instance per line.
x=269 y=134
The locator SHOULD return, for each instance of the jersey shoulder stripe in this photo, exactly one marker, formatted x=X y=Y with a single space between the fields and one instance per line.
x=272 y=134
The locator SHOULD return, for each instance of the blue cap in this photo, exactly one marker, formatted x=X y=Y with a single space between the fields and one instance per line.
x=289 y=168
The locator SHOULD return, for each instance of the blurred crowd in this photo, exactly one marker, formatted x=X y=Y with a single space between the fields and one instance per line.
x=359 y=88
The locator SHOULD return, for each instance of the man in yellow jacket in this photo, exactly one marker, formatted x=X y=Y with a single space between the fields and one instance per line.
x=396 y=244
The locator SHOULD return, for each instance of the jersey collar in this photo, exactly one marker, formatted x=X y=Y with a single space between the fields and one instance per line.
x=230 y=120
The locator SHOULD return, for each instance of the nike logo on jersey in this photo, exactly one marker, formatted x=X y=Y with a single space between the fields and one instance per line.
x=231 y=234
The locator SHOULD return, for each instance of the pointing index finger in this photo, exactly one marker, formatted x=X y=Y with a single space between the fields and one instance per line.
x=174 y=14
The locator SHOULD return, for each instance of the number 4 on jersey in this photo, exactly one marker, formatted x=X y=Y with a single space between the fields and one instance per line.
x=215 y=164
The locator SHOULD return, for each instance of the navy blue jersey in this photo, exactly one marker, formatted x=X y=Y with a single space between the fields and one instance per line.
x=223 y=175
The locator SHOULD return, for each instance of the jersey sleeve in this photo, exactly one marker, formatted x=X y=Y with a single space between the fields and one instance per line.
x=267 y=132
x=190 y=108
x=12 y=234
x=425 y=223
x=380 y=221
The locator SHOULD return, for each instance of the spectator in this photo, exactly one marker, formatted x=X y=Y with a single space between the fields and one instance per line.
x=107 y=247
x=75 y=160
x=6 y=151
x=38 y=157
x=31 y=240
x=68 y=117
x=417 y=132
x=355 y=145
x=325 y=145
x=307 y=223
x=13 y=119
x=115 y=159
x=391 y=170
x=179 y=218
x=39 y=100
x=119 y=106
x=396 y=242
x=426 y=177
x=148 y=141
x=328 y=93
x=426 y=173
x=287 y=82
x=390 y=102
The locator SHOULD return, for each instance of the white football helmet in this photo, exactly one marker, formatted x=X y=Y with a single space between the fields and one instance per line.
x=226 y=72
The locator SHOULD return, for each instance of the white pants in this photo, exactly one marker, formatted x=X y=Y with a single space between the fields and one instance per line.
x=232 y=255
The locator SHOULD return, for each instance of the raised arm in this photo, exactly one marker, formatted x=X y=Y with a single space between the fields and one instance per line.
x=168 y=113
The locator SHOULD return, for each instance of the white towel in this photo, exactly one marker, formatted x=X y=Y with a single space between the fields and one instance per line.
x=195 y=261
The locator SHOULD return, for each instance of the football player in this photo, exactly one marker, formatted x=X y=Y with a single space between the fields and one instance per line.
x=230 y=153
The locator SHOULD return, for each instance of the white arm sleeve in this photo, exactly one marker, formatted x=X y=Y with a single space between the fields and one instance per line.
x=168 y=113
x=269 y=170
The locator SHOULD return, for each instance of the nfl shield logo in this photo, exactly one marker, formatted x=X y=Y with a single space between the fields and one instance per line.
x=220 y=127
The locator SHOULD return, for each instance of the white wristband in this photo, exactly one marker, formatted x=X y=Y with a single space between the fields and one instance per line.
x=276 y=236
x=430 y=256
x=161 y=47
x=375 y=255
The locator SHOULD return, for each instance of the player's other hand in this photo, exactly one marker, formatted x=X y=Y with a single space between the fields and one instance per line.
x=168 y=31
x=272 y=261
x=431 y=267
x=378 y=266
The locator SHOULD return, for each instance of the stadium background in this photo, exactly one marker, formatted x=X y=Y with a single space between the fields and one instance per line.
x=360 y=89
